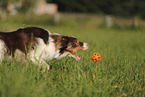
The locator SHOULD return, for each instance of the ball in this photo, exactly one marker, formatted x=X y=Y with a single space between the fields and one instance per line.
x=96 y=57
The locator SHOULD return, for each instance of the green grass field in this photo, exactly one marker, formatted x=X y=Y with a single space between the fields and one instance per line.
x=120 y=72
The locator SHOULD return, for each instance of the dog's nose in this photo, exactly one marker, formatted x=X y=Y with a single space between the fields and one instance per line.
x=86 y=46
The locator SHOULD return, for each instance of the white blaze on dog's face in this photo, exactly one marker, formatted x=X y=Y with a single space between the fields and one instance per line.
x=68 y=45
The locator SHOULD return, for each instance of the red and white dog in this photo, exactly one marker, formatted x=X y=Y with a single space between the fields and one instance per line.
x=39 y=45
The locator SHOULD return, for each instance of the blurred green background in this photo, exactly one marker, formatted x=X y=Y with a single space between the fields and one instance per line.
x=113 y=7
x=114 y=28
x=99 y=13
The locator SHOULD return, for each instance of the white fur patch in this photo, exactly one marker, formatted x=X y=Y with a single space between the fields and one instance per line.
x=2 y=49
x=43 y=51
x=86 y=46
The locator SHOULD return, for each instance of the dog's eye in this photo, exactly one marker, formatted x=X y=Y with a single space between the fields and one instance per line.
x=63 y=38
x=77 y=42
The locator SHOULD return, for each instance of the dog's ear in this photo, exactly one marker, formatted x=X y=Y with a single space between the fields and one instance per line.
x=55 y=37
x=76 y=42
x=61 y=38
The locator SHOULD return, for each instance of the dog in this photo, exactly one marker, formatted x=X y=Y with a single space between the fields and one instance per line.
x=39 y=45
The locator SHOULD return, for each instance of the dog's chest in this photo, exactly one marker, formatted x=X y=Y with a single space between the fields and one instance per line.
x=46 y=52
x=49 y=51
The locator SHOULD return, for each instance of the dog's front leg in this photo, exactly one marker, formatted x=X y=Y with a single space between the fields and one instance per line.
x=43 y=65
x=40 y=62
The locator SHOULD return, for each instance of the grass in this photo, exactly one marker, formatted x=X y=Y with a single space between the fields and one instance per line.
x=120 y=72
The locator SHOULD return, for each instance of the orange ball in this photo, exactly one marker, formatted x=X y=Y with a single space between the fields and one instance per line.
x=96 y=57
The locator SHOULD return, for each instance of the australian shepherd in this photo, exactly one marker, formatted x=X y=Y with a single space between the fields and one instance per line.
x=39 y=45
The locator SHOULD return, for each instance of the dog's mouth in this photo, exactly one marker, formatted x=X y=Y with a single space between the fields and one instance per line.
x=69 y=46
x=75 y=56
x=73 y=53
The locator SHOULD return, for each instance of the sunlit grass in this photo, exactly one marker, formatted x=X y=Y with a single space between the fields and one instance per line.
x=120 y=72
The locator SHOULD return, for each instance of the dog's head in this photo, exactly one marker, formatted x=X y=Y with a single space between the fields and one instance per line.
x=68 y=45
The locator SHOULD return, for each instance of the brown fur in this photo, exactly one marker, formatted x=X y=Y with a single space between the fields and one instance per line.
x=67 y=44
x=26 y=38
x=23 y=39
